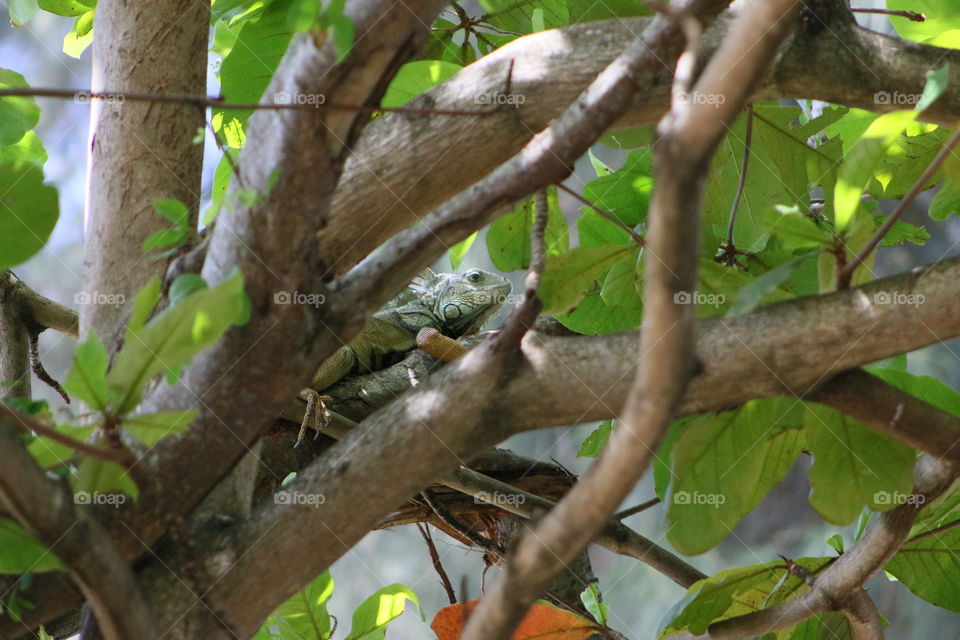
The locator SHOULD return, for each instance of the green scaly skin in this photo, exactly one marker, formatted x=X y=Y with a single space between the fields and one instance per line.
x=456 y=304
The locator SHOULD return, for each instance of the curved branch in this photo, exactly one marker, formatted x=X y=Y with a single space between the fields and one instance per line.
x=384 y=188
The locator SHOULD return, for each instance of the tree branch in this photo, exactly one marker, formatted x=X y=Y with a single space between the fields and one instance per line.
x=688 y=136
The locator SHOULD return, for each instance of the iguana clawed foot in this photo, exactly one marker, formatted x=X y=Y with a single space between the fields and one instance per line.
x=316 y=413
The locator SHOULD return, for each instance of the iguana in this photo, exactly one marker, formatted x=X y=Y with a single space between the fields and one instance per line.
x=455 y=304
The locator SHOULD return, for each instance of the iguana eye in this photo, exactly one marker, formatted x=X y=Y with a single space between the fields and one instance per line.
x=474 y=276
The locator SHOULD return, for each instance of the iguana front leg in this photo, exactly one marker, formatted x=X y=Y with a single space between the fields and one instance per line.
x=331 y=371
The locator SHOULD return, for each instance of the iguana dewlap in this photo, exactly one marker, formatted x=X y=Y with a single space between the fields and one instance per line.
x=455 y=304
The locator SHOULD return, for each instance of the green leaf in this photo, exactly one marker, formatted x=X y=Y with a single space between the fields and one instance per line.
x=50 y=453
x=795 y=230
x=17 y=114
x=836 y=541
x=248 y=68
x=22 y=11
x=508 y=238
x=305 y=614
x=303 y=14
x=590 y=10
x=97 y=482
x=724 y=465
x=946 y=202
x=594 y=443
x=172 y=237
x=174 y=337
x=459 y=250
x=415 y=78
x=87 y=378
x=28 y=207
x=150 y=428
x=754 y=292
x=929 y=564
x=926 y=388
x=942 y=16
x=21 y=553
x=854 y=466
x=517 y=17
x=68 y=8
x=594 y=316
x=590 y=597
x=343 y=34
x=174 y=211
x=185 y=284
x=736 y=592
x=143 y=305
x=624 y=193
x=372 y=616
x=623 y=284
x=860 y=162
x=831 y=625
x=568 y=277
x=596 y=231
x=935 y=85
x=80 y=36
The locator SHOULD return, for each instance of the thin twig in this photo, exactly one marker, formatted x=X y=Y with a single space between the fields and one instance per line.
x=435 y=559
x=39 y=370
x=84 y=96
x=845 y=275
x=747 y=139
x=632 y=511
x=606 y=215
x=909 y=15
x=25 y=423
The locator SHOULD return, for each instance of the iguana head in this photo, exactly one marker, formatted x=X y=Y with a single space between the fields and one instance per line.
x=464 y=301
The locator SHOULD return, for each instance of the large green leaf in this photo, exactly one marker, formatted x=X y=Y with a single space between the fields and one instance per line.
x=28 y=207
x=305 y=614
x=370 y=619
x=508 y=238
x=569 y=276
x=862 y=159
x=174 y=337
x=725 y=464
x=626 y=192
x=68 y=8
x=150 y=428
x=942 y=18
x=50 y=453
x=415 y=78
x=87 y=378
x=594 y=316
x=930 y=565
x=854 y=466
x=21 y=553
x=17 y=114
x=526 y=16
x=250 y=65
x=736 y=592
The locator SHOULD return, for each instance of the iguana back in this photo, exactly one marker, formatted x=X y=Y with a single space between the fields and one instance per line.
x=456 y=304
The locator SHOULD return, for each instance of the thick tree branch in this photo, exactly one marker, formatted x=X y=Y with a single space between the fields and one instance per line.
x=46 y=508
x=838 y=587
x=385 y=185
x=687 y=138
